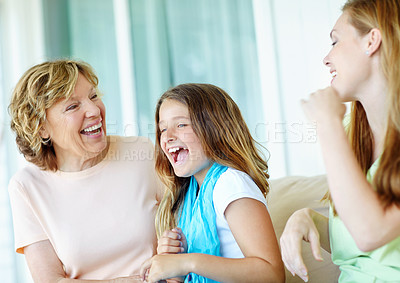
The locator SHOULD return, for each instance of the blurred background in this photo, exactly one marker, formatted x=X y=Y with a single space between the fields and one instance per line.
x=267 y=54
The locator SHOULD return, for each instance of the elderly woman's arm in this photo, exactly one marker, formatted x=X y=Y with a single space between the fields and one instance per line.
x=45 y=266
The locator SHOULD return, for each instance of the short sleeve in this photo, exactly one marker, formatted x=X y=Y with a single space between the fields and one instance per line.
x=27 y=228
x=233 y=185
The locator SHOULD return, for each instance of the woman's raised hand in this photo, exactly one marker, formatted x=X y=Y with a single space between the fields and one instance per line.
x=324 y=104
x=172 y=242
x=300 y=226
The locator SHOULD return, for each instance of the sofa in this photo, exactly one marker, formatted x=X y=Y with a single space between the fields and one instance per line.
x=289 y=194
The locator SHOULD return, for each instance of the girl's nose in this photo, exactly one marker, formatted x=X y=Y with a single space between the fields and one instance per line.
x=170 y=135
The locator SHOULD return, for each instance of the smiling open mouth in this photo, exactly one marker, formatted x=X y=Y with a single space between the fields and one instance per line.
x=178 y=154
x=93 y=130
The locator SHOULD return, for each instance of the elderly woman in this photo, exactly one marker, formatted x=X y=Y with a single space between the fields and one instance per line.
x=84 y=208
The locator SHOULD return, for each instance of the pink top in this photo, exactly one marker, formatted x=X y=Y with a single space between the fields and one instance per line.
x=100 y=221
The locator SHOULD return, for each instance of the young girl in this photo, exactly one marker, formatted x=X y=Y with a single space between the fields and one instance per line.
x=217 y=183
x=363 y=164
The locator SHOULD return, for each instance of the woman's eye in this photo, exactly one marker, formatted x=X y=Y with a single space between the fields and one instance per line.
x=71 y=107
x=94 y=96
x=181 y=125
x=162 y=130
x=334 y=43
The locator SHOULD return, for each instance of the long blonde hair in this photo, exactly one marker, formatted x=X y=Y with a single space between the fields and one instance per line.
x=225 y=139
x=384 y=15
x=39 y=89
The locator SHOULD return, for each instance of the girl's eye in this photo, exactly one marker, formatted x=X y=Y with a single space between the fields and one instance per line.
x=334 y=43
x=181 y=125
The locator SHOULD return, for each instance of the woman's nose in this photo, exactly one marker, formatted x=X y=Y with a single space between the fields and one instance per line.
x=92 y=109
x=326 y=61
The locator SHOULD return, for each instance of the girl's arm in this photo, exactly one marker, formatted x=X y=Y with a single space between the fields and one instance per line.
x=172 y=242
x=308 y=225
x=358 y=205
x=252 y=228
x=45 y=266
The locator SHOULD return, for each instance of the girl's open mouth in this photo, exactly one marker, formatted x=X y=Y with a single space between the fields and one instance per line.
x=178 y=154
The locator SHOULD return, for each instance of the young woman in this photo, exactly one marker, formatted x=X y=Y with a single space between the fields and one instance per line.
x=217 y=184
x=362 y=163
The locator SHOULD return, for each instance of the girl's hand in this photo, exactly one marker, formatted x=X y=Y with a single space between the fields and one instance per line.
x=172 y=242
x=161 y=267
x=300 y=226
x=323 y=105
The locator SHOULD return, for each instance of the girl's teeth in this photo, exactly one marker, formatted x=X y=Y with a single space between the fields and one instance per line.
x=175 y=149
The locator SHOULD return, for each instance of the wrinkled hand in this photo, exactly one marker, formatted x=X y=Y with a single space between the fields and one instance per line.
x=299 y=227
x=323 y=105
x=172 y=242
x=161 y=267
x=128 y=279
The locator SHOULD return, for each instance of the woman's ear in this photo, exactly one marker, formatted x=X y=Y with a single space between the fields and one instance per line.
x=374 y=41
x=44 y=133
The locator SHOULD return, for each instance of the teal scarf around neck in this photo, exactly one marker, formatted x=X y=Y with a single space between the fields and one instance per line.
x=198 y=218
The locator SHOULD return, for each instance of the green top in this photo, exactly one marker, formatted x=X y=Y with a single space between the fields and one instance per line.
x=380 y=265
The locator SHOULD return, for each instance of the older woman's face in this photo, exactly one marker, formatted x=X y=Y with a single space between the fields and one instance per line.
x=77 y=126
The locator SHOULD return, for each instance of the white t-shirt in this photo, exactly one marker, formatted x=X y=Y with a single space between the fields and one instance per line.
x=100 y=221
x=232 y=185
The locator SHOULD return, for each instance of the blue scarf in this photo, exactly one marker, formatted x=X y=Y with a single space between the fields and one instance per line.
x=198 y=218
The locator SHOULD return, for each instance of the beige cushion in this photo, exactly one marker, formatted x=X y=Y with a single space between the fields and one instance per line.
x=289 y=194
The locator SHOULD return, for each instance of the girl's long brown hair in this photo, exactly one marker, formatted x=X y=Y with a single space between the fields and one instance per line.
x=224 y=136
x=384 y=15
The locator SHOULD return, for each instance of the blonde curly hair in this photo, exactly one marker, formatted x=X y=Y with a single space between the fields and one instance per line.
x=39 y=89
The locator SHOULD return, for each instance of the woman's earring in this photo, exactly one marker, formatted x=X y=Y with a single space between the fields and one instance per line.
x=367 y=52
x=47 y=141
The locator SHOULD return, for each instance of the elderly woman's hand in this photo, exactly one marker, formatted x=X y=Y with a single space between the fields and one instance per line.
x=165 y=267
x=300 y=226
x=172 y=242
